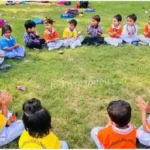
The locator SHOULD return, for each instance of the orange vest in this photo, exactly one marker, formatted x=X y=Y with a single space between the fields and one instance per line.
x=113 y=29
x=51 y=36
x=147 y=29
x=112 y=139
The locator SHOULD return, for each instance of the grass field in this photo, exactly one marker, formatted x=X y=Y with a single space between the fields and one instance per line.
x=77 y=86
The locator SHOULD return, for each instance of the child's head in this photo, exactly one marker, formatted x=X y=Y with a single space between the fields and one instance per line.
x=36 y=119
x=6 y=30
x=95 y=20
x=48 y=23
x=117 y=20
x=119 y=112
x=131 y=19
x=72 y=24
x=30 y=26
x=149 y=20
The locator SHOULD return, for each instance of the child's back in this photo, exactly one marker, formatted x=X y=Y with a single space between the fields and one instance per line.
x=37 y=133
x=118 y=133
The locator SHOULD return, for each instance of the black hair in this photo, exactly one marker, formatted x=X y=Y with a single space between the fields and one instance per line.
x=49 y=21
x=73 y=21
x=36 y=119
x=118 y=17
x=6 y=28
x=119 y=112
x=97 y=18
x=29 y=24
x=133 y=17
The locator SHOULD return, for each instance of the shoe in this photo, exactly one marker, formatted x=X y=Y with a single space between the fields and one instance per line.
x=96 y=44
x=72 y=46
x=143 y=43
x=135 y=43
x=36 y=49
x=4 y=67
x=120 y=45
x=60 y=52
x=18 y=58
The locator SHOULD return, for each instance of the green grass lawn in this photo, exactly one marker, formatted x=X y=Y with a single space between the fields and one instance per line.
x=77 y=86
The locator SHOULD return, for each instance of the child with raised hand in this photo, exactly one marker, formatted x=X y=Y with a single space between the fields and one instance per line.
x=115 y=31
x=145 y=39
x=51 y=36
x=8 y=44
x=38 y=129
x=14 y=130
x=31 y=36
x=95 y=32
x=143 y=133
x=119 y=133
x=71 y=36
x=130 y=31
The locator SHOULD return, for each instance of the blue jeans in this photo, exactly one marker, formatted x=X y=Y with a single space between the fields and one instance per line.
x=10 y=133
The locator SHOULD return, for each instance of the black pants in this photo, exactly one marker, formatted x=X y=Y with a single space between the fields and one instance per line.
x=93 y=40
x=36 y=45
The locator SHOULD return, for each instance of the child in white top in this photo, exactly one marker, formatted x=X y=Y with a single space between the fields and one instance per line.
x=130 y=30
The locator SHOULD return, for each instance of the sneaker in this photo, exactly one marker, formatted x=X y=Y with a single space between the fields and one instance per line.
x=96 y=44
x=72 y=46
x=143 y=43
x=120 y=45
x=60 y=52
x=4 y=67
x=36 y=49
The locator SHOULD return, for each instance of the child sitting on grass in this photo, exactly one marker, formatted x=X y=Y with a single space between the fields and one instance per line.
x=115 y=30
x=95 y=32
x=3 y=66
x=31 y=36
x=8 y=44
x=51 y=36
x=38 y=130
x=14 y=130
x=145 y=39
x=118 y=134
x=70 y=35
x=143 y=133
x=130 y=31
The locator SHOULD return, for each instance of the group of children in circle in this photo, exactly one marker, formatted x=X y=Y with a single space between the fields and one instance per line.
x=72 y=38
x=35 y=128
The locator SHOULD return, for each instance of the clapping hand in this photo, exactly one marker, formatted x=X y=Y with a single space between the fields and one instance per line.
x=142 y=104
x=5 y=98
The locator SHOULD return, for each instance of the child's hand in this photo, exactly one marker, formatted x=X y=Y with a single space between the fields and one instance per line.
x=36 y=33
x=16 y=46
x=5 y=98
x=142 y=104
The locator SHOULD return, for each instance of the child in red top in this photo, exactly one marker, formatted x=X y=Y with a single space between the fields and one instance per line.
x=51 y=36
x=145 y=39
x=115 y=30
x=143 y=133
x=118 y=133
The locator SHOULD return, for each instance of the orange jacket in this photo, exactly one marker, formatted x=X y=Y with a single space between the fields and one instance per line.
x=51 y=36
x=147 y=30
x=111 y=138
x=113 y=29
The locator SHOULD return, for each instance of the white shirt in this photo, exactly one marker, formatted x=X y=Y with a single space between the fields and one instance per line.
x=130 y=30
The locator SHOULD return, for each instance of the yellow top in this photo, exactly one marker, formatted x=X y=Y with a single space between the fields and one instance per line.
x=68 y=33
x=48 y=142
x=2 y=122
